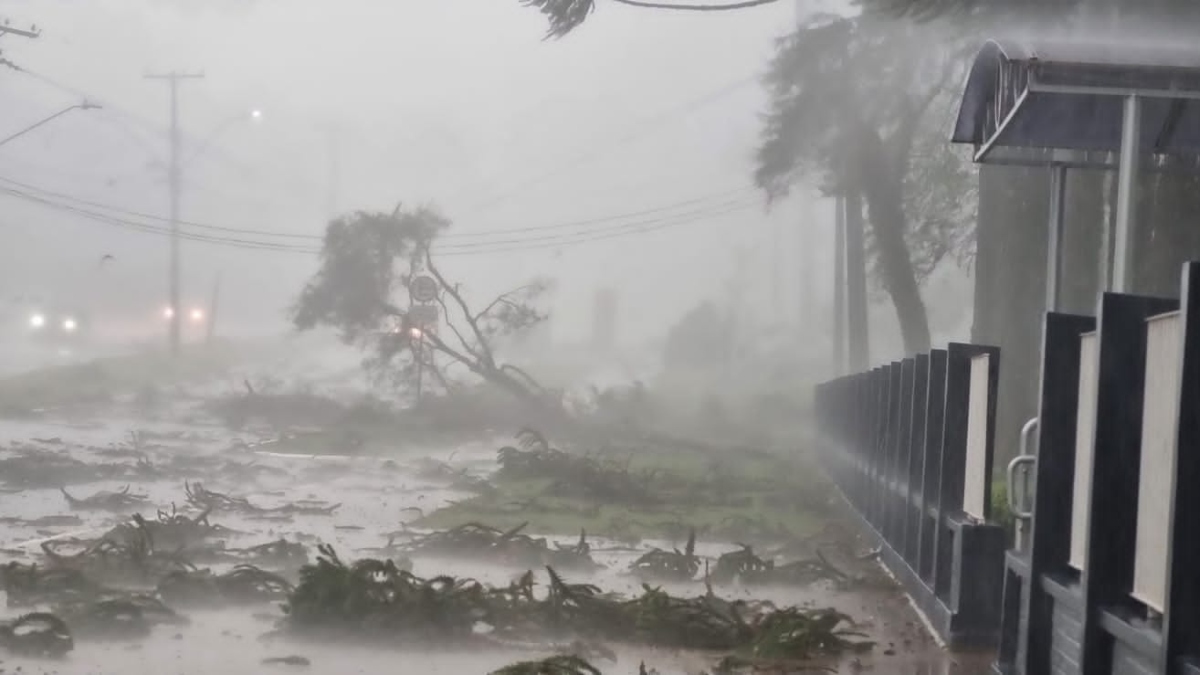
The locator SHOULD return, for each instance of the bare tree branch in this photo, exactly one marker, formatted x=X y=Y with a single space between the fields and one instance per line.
x=461 y=339
x=485 y=351
x=504 y=299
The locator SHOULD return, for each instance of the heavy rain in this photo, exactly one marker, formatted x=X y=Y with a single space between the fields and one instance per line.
x=569 y=337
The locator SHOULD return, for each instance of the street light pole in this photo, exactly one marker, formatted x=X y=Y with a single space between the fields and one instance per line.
x=78 y=106
x=176 y=311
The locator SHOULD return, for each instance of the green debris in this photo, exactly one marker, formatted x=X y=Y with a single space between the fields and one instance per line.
x=26 y=585
x=118 y=617
x=375 y=599
x=506 y=547
x=121 y=500
x=672 y=565
x=37 y=634
x=293 y=660
x=244 y=584
x=555 y=665
x=209 y=500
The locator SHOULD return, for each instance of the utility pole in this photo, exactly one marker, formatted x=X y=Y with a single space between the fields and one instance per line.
x=213 y=305
x=333 y=140
x=839 y=287
x=807 y=279
x=173 y=78
x=5 y=29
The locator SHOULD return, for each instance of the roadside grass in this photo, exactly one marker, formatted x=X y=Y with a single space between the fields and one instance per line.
x=102 y=379
x=752 y=498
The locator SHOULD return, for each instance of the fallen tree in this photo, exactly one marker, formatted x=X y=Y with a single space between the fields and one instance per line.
x=368 y=263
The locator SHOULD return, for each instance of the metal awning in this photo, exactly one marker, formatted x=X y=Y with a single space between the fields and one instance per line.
x=1084 y=105
x=1063 y=103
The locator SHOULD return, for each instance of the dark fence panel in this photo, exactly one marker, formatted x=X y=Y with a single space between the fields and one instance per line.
x=1108 y=582
x=909 y=445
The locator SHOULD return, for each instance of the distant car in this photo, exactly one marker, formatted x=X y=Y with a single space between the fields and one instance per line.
x=55 y=325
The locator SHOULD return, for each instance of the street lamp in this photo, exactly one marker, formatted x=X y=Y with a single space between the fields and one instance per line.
x=255 y=115
x=86 y=105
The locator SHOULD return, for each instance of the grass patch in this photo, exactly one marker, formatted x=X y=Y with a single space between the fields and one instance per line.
x=99 y=380
x=752 y=498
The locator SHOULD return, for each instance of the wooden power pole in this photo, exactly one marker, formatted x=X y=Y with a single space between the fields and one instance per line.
x=173 y=78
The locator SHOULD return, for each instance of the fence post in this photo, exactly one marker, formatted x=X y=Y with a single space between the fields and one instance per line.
x=1112 y=523
x=916 y=461
x=1053 y=482
x=1181 y=620
x=931 y=471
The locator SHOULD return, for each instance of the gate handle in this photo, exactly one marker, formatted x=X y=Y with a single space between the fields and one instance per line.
x=1023 y=458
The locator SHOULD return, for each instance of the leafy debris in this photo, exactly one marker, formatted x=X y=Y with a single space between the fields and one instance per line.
x=244 y=584
x=120 y=500
x=199 y=496
x=37 y=634
x=565 y=664
x=510 y=547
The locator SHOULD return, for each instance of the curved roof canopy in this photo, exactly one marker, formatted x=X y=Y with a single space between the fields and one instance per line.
x=1062 y=103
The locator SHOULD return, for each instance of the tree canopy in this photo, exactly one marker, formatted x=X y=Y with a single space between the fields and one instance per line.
x=565 y=16
x=361 y=289
x=858 y=105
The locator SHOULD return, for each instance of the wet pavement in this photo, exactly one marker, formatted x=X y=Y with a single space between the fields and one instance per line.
x=377 y=496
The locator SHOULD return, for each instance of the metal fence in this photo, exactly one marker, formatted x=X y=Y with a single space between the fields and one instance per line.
x=1108 y=581
x=910 y=446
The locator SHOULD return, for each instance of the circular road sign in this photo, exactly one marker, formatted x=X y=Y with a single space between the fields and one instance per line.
x=423 y=289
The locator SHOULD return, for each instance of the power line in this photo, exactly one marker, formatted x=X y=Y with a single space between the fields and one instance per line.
x=522 y=245
x=602 y=219
x=450 y=236
x=550 y=239
x=643 y=230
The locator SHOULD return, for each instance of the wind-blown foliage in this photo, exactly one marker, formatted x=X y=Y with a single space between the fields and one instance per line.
x=565 y=16
x=375 y=599
x=852 y=107
x=367 y=263
x=364 y=260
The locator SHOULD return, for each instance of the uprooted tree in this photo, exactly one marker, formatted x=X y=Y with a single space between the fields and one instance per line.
x=368 y=260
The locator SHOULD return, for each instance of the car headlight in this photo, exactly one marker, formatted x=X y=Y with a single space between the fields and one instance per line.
x=69 y=325
x=197 y=315
x=37 y=321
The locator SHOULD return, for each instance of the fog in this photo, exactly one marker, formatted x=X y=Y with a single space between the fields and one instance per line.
x=365 y=104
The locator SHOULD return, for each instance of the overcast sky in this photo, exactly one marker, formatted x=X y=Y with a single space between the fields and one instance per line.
x=640 y=119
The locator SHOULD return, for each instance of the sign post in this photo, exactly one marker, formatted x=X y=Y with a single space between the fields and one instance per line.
x=423 y=290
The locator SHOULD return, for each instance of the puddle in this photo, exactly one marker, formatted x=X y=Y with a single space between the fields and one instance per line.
x=376 y=496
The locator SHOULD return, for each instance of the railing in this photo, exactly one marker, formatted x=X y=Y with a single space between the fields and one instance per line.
x=1109 y=581
x=910 y=446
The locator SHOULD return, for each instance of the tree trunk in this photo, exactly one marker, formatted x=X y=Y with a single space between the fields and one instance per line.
x=856 y=285
x=882 y=188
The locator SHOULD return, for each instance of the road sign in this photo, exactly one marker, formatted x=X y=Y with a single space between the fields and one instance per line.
x=423 y=315
x=423 y=288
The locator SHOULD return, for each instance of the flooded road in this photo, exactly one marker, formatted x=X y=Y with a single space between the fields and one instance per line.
x=376 y=496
